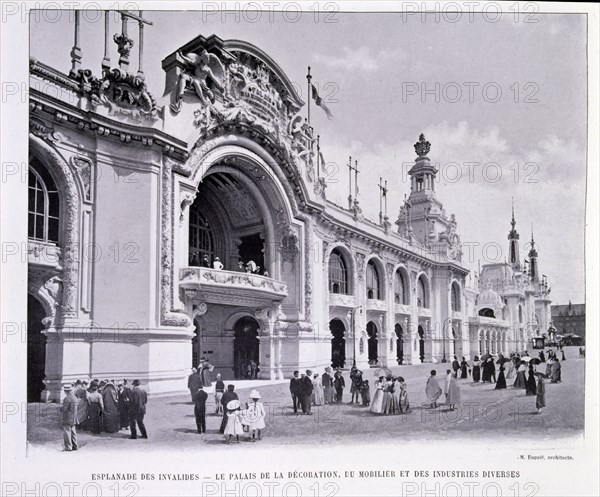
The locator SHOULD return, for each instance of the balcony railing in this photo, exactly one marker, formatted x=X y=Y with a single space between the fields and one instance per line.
x=217 y=284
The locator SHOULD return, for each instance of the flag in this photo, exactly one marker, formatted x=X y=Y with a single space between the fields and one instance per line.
x=319 y=101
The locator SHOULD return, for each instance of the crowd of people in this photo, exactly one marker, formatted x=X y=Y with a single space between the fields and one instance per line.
x=483 y=370
x=112 y=406
x=102 y=406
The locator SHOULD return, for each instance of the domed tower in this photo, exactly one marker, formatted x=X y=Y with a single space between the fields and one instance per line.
x=427 y=214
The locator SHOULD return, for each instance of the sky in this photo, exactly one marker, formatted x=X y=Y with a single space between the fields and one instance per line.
x=502 y=101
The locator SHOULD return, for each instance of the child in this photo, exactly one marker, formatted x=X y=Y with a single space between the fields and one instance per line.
x=254 y=416
x=365 y=391
x=234 y=421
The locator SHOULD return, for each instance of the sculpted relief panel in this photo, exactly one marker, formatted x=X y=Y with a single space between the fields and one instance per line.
x=238 y=88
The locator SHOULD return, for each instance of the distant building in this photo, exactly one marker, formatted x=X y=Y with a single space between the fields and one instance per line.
x=569 y=319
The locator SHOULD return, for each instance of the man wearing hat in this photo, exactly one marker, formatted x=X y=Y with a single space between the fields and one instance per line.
x=69 y=419
x=306 y=392
x=295 y=390
x=137 y=410
x=194 y=383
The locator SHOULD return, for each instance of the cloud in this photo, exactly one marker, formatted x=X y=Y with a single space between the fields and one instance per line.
x=549 y=194
x=361 y=58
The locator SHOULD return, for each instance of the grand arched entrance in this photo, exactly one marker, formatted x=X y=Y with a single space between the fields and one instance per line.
x=36 y=350
x=338 y=343
x=245 y=346
x=399 y=343
x=421 y=332
x=372 y=343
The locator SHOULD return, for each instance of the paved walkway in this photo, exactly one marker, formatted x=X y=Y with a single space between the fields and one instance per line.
x=484 y=415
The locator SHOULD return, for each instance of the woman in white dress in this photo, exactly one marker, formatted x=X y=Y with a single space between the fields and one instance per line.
x=318 y=395
x=254 y=416
x=377 y=402
x=234 y=421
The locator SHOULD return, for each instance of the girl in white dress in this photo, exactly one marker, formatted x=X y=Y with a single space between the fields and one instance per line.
x=254 y=416
x=234 y=421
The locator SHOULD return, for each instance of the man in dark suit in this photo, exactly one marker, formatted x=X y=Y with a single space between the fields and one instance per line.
x=69 y=419
x=200 y=409
x=295 y=389
x=194 y=383
x=228 y=396
x=137 y=409
x=306 y=391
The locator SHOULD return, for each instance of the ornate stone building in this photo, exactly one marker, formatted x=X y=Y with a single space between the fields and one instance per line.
x=130 y=193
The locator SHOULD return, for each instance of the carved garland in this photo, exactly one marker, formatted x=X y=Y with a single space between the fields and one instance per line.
x=70 y=217
x=170 y=316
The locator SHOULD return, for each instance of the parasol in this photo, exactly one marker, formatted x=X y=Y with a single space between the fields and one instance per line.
x=540 y=375
x=485 y=357
x=535 y=361
x=379 y=372
x=526 y=358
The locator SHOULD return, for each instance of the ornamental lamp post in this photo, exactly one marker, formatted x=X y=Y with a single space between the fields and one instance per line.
x=353 y=312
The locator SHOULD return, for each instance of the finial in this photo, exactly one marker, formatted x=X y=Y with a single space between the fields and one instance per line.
x=422 y=147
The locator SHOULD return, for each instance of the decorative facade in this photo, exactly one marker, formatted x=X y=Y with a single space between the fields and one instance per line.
x=130 y=194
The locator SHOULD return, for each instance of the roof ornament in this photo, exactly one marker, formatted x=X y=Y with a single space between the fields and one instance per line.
x=422 y=147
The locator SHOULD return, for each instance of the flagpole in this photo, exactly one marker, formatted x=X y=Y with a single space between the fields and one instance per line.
x=318 y=156
x=308 y=79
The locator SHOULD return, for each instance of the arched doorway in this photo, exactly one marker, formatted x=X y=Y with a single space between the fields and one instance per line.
x=36 y=350
x=338 y=343
x=399 y=343
x=372 y=343
x=245 y=345
x=421 y=343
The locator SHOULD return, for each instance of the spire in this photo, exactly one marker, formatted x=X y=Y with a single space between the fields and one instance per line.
x=533 y=256
x=513 y=242
x=513 y=222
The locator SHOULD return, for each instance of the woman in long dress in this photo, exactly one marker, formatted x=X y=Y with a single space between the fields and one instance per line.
x=389 y=401
x=111 y=417
x=432 y=389
x=82 y=406
x=463 y=369
x=95 y=409
x=520 y=381
x=327 y=381
x=531 y=387
x=555 y=373
x=403 y=403
x=476 y=369
x=486 y=374
x=540 y=400
x=453 y=392
x=377 y=402
x=501 y=382
x=318 y=396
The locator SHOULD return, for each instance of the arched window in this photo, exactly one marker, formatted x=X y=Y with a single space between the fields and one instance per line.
x=455 y=297
x=373 y=282
x=44 y=205
x=422 y=297
x=202 y=242
x=338 y=273
x=400 y=289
